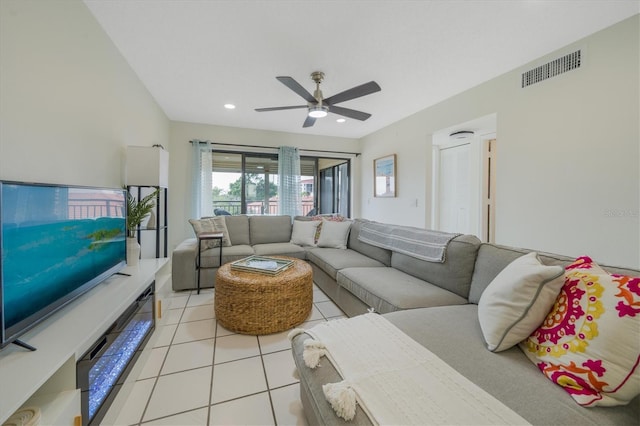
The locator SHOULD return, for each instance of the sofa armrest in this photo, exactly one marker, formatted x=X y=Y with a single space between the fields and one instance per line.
x=183 y=265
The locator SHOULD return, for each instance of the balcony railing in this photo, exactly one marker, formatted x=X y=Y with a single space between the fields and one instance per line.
x=92 y=208
x=257 y=207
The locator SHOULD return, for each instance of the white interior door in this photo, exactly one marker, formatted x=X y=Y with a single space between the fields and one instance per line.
x=456 y=208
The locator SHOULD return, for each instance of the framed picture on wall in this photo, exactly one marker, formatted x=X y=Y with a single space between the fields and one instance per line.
x=384 y=176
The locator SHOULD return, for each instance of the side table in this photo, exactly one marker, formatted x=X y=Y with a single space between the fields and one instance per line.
x=204 y=236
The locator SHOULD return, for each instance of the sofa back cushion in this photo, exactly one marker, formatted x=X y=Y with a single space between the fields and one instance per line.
x=270 y=229
x=494 y=258
x=238 y=227
x=381 y=255
x=454 y=274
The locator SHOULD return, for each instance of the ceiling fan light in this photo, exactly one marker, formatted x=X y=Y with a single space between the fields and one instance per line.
x=318 y=111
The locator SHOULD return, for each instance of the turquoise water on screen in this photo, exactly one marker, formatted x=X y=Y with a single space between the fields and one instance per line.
x=43 y=263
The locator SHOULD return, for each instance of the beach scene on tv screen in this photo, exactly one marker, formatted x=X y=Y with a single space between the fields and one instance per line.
x=55 y=240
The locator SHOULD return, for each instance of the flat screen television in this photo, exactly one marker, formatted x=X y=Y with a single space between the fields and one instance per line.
x=57 y=242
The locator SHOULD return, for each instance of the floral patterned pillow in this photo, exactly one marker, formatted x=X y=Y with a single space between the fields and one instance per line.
x=590 y=341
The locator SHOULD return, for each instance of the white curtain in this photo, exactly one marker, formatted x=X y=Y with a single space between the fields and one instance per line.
x=201 y=185
x=289 y=201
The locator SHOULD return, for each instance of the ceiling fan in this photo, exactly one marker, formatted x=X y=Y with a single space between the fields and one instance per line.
x=318 y=107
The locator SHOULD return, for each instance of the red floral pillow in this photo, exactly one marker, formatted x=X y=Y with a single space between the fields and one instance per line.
x=590 y=341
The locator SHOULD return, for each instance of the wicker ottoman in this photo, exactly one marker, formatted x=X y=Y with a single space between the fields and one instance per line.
x=254 y=303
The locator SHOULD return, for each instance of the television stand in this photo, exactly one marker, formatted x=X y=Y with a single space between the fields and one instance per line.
x=24 y=345
x=46 y=378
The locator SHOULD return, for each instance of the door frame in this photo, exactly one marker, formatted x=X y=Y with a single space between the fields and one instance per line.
x=484 y=219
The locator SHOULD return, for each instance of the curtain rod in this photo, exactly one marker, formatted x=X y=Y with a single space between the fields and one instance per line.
x=272 y=147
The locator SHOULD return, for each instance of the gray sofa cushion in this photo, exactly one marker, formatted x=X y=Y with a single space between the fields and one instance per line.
x=280 y=249
x=389 y=290
x=453 y=334
x=456 y=271
x=269 y=229
x=238 y=227
x=229 y=254
x=381 y=255
x=494 y=258
x=332 y=260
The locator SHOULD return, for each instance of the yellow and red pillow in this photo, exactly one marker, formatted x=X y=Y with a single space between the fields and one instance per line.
x=590 y=341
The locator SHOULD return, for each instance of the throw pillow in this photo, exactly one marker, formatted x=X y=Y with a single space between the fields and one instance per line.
x=221 y=226
x=211 y=224
x=589 y=342
x=334 y=234
x=517 y=300
x=304 y=232
x=321 y=218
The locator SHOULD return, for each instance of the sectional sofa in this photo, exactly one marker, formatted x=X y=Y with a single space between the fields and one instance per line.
x=248 y=235
x=436 y=304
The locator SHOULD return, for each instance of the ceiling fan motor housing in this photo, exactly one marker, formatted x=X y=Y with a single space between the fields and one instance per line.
x=317 y=76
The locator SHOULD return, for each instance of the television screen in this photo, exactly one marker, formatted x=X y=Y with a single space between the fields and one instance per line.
x=57 y=242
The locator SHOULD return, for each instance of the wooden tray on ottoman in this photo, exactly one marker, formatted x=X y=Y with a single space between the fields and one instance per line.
x=253 y=303
x=254 y=264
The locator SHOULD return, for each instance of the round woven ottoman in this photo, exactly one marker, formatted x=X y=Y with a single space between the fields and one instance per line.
x=254 y=303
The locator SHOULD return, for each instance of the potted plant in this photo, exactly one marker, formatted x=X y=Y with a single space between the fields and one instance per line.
x=137 y=210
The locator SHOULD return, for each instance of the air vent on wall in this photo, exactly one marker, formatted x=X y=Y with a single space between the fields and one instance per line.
x=551 y=69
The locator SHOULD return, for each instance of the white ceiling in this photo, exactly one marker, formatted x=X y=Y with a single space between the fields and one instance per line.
x=196 y=55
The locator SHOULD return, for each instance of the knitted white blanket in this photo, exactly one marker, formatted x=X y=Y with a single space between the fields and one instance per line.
x=395 y=380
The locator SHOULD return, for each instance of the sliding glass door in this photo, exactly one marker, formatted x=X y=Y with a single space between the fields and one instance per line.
x=247 y=183
x=334 y=190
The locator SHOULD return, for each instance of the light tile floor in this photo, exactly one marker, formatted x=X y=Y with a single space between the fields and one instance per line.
x=199 y=373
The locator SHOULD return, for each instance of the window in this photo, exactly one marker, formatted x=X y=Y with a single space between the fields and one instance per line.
x=247 y=183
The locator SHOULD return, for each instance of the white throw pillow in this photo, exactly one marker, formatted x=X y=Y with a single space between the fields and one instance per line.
x=334 y=234
x=518 y=299
x=304 y=232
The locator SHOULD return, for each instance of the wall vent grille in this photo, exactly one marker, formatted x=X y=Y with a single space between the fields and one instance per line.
x=551 y=69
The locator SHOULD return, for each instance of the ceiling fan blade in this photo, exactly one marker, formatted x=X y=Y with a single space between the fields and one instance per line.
x=296 y=87
x=351 y=113
x=281 y=108
x=354 y=92
x=309 y=121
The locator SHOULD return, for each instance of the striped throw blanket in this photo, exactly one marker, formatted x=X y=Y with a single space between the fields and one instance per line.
x=424 y=244
x=394 y=379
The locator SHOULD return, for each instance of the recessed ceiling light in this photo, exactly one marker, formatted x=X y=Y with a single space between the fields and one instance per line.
x=229 y=106
x=341 y=120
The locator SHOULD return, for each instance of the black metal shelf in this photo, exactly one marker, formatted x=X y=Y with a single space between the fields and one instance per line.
x=162 y=222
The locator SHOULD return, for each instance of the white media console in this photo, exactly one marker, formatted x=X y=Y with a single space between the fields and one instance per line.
x=46 y=378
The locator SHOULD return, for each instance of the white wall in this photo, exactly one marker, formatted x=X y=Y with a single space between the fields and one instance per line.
x=568 y=148
x=180 y=162
x=568 y=178
x=69 y=102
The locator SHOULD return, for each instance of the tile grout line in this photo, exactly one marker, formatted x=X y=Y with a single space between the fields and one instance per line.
x=213 y=366
x=211 y=404
x=157 y=377
x=266 y=381
x=171 y=344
